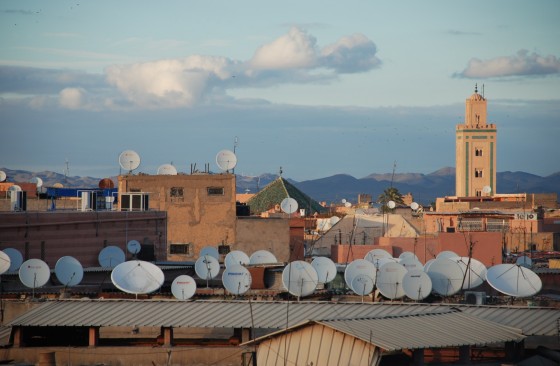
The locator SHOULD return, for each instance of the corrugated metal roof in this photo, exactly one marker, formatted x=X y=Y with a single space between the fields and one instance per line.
x=272 y=315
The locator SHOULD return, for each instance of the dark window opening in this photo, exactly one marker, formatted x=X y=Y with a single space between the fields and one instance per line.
x=215 y=191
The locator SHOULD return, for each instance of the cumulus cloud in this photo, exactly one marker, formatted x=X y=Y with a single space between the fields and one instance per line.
x=72 y=98
x=351 y=54
x=521 y=64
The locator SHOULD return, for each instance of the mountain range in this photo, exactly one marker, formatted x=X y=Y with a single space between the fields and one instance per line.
x=423 y=187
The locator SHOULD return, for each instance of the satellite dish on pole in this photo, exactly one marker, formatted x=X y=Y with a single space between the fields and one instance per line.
x=16 y=259
x=362 y=284
x=446 y=276
x=137 y=277
x=236 y=257
x=447 y=254
x=325 y=268
x=357 y=267
x=414 y=206
x=69 y=271
x=262 y=257
x=38 y=182
x=129 y=160
x=474 y=271
x=166 y=169
x=210 y=251
x=514 y=280
x=34 y=273
x=377 y=253
x=5 y=262
x=300 y=278
x=206 y=268
x=289 y=205
x=2 y=176
x=111 y=256
x=133 y=247
x=416 y=284
x=389 y=280
x=391 y=204
x=226 y=160
x=183 y=287
x=236 y=279
x=524 y=261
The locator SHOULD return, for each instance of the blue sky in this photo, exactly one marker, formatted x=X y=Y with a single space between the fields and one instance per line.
x=315 y=87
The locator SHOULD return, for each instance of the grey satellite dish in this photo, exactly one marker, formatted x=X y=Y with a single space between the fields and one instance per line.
x=166 y=169
x=14 y=188
x=207 y=267
x=389 y=280
x=428 y=264
x=38 y=182
x=362 y=284
x=411 y=263
x=446 y=276
x=417 y=285
x=357 y=267
x=236 y=279
x=2 y=176
x=524 y=261
x=447 y=254
x=34 y=273
x=111 y=256
x=226 y=160
x=514 y=280
x=129 y=160
x=5 y=262
x=391 y=204
x=137 y=277
x=211 y=251
x=377 y=253
x=405 y=255
x=486 y=189
x=325 y=268
x=414 y=206
x=133 y=247
x=289 y=205
x=474 y=271
x=300 y=278
x=69 y=271
x=236 y=257
x=378 y=262
x=183 y=287
x=262 y=257
x=16 y=259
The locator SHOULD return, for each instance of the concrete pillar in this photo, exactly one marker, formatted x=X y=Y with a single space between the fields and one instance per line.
x=167 y=336
x=418 y=357
x=465 y=354
x=93 y=336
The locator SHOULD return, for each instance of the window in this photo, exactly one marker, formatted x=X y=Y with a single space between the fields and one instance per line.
x=176 y=192
x=478 y=173
x=215 y=191
x=478 y=152
x=186 y=249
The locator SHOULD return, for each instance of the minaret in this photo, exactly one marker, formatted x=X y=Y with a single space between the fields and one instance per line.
x=475 y=151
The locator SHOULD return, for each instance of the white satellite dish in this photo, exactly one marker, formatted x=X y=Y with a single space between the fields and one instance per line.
x=428 y=264
x=391 y=204
x=2 y=176
x=183 y=287
x=14 y=188
x=111 y=256
x=236 y=257
x=5 y=262
x=414 y=206
x=226 y=160
x=411 y=263
x=333 y=220
x=207 y=267
x=236 y=279
x=16 y=259
x=405 y=255
x=289 y=205
x=514 y=280
x=389 y=280
x=348 y=204
x=486 y=189
x=447 y=254
x=69 y=271
x=446 y=276
x=166 y=169
x=356 y=267
x=416 y=284
x=325 y=268
x=377 y=253
x=211 y=251
x=362 y=284
x=474 y=275
x=379 y=262
x=524 y=261
x=133 y=247
x=343 y=200
x=137 y=277
x=34 y=273
x=129 y=160
x=300 y=278
x=38 y=182
x=262 y=257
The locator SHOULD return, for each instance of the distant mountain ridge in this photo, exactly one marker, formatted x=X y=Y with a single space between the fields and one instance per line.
x=425 y=188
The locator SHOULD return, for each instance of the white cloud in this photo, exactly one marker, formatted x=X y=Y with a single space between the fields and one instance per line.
x=355 y=53
x=72 y=98
x=521 y=64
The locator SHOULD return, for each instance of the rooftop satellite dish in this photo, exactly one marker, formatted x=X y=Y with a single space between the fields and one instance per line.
x=343 y=200
x=133 y=247
x=137 y=277
x=417 y=285
x=524 y=261
x=405 y=255
x=236 y=257
x=5 y=262
x=360 y=212
x=58 y=185
x=183 y=287
x=210 y=251
x=289 y=205
x=411 y=263
x=474 y=271
x=226 y=160
x=262 y=257
x=379 y=262
x=333 y=220
x=389 y=280
x=207 y=267
x=14 y=188
x=391 y=204
x=414 y=206
x=69 y=271
x=447 y=254
x=300 y=278
x=325 y=268
x=362 y=284
x=236 y=279
x=34 y=273
x=446 y=276
x=357 y=267
x=38 y=182
x=428 y=264
x=2 y=176
x=16 y=259
x=486 y=189
x=129 y=160
x=377 y=253
x=348 y=204
x=514 y=280
x=106 y=183
x=166 y=169
x=111 y=256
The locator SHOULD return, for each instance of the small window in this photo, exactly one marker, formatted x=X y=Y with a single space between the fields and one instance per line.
x=478 y=152
x=479 y=193
x=176 y=192
x=186 y=249
x=478 y=173
x=215 y=191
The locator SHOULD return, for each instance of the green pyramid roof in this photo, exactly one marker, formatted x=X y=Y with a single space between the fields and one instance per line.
x=273 y=194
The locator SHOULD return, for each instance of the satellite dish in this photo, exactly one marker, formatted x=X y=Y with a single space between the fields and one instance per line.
x=38 y=182
x=262 y=257
x=16 y=259
x=129 y=160
x=58 y=185
x=391 y=204
x=524 y=261
x=2 y=176
x=389 y=280
x=166 y=169
x=486 y=189
x=446 y=276
x=325 y=268
x=377 y=253
x=474 y=275
x=405 y=255
x=362 y=284
x=428 y=264
x=357 y=267
x=111 y=257
x=183 y=287
x=14 y=188
x=211 y=251
x=5 y=262
x=300 y=278
x=206 y=267
x=289 y=205
x=133 y=247
x=106 y=183
x=414 y=206
x=236 y=279
x=236 y=257
x=416 y=284
x=514 y=280
x=379 y=262
x=447 y=254
x=333 y=220
x=137 y=277
x=348 y=204
x=343 y=200
x=34 y=273
x=226 y=160
x=69 y=271
x=411 y=263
